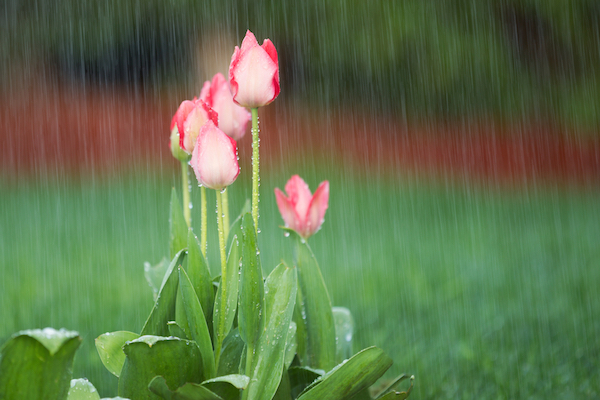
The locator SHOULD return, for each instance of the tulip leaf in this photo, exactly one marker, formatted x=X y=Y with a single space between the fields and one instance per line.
x=266 y=366
x=177 y=226
x=389 y=393
x=235 y=225
x=231 y=354
x=350 y=377
x=301 y=377
x=197 y=324
x=82 y=389
x=251 y=285
x=199 y=275
x=344 y=329
x=189 y=391
x=36 y=364
x=291 y=345
x=176 y=330
x=313 y=315
x=177 y=360
x=155 y=274
x=164 y=307
x=110 y=349
x=227 y=294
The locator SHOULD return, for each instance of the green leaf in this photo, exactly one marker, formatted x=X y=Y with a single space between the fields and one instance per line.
x=197 y=324
x=82 y=389
x=36 y=364
x=237 y=223
x=390 y=393
x=344 y=329
x=176 y=330
x=189 y=391
x=251 y=285
x=284 y=391
x=350 y=377
x=301 y=377
x=155 y=274
x=110 y=349
x=316 y=329
x=199 y=275
x=291 y=345
x=233 y=346
x=226 y=304
x=267 y=363
x=177 y=226
x=164 y=307
x=177 y=360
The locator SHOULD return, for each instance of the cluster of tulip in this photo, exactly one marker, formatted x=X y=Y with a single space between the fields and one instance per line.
x=235 y=336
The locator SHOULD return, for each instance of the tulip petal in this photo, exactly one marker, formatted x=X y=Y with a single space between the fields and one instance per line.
x=214 y=159
x=299 y=195
x=287 y=210
x=180 y=116
x=316 y=210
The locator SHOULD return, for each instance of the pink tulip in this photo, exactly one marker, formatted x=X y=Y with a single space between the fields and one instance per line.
x=301 y=210
x=254 y=73
x=176 y=150
x=233 y=119
x=189 y=118
x=214 y=159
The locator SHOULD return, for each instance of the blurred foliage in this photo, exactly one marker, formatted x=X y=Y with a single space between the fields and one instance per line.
x=511 y=59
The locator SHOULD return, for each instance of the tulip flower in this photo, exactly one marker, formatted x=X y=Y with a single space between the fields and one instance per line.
x=301 y=210
x=233 y=119
x=190 y=117
x=254 y=73
x=176 y=150
x=214 y=159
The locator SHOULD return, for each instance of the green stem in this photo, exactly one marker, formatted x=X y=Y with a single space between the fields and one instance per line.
x=223 y=283
x=186 y=193
x=226 y=214
x=203 y=220
x=255 y=167
x=247 y=370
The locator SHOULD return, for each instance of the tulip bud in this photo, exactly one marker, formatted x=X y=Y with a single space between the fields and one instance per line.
x=301 y=210
x=190 y=117
x=176 y=150
x=254 y=73
x=214 y=158
x=233 y=119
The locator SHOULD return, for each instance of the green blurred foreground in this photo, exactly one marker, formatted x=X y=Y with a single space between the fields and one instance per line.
x=480 y=294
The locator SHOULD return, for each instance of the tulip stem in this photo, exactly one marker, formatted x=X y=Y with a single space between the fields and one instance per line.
x=203 y=220
x=186 y=193
x=223 y=283
x=255 y=167
x=225 y=214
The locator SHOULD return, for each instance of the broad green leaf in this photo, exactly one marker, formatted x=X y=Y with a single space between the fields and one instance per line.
x=82 y=389
x=316 y=329
x=251 y=285
x=199 y=275
x=175 y=330
x=349 y=377
x=284 y=391
x=197 y=324
x=291 y=345
x=177 y=226
x=235 y=225
x=268 y=359
x=177 y=360
x=344 y=329
x=233 y=346
x=164 y=307
x=226 y=299
x=301 y=377
x=236 y=380
x=110 y=349
x=37 y=364
x=155 y=274
x=390 y=393
x=189 y=391
x=227 y=387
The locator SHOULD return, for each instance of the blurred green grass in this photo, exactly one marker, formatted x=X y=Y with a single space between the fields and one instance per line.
x=479 y=292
